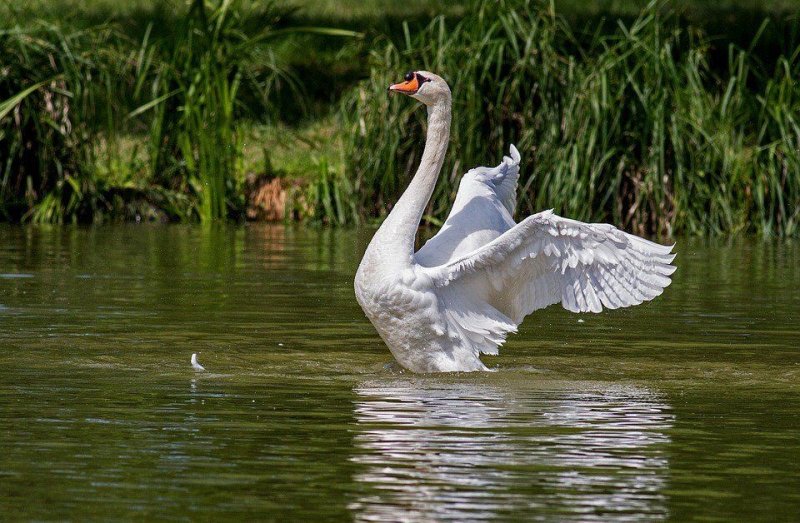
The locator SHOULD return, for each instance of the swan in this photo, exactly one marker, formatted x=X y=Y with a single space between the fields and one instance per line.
x=439 y=308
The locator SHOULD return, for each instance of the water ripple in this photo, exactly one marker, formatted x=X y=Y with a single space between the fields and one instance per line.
x=468 y=452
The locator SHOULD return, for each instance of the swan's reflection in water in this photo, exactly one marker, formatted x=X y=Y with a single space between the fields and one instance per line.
x=463 y=451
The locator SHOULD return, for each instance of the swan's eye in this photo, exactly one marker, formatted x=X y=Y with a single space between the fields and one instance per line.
x=409 y=76
x=421 y=79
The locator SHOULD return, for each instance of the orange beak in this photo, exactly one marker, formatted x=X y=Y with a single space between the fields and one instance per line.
x=409 y=87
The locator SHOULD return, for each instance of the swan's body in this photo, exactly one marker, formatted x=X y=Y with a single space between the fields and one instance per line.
x=460 y=295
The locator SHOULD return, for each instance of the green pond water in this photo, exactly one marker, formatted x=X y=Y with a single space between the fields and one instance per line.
x=684 y=408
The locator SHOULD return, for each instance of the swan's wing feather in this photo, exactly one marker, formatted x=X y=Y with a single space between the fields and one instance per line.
x=482 y=211
x=502 y=179
x=547 y=259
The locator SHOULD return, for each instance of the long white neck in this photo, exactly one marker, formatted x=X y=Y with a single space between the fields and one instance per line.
x=399 y=230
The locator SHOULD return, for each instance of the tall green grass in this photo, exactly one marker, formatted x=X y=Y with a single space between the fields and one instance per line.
x=632 y=127
x=194 y=81
x=190 y=87
x=220 y=48
x=56 y=99
x=651 y=125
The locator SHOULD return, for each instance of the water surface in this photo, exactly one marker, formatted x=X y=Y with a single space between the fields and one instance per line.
x=686 y=407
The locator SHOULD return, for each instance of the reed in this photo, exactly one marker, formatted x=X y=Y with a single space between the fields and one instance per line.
x=56 y=88
x=631 y=126
x=649 y=125
x=196 y=78
x=194 y=81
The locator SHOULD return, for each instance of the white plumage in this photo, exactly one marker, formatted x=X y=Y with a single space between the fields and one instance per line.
x=196 y=364
x=473 y=283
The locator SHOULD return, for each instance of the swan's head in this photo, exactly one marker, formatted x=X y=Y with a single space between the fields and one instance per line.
x=426 y=87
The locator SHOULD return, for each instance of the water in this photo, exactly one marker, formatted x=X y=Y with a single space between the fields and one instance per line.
x=687 y=407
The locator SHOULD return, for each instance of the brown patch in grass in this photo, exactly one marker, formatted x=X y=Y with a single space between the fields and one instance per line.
x=266 y=199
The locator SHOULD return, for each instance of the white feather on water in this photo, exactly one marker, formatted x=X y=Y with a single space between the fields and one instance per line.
x=195 y=364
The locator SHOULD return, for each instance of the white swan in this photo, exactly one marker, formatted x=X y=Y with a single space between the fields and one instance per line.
x=440 y=308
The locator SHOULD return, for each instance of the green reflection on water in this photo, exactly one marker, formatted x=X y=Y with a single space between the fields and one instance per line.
x=685 y=407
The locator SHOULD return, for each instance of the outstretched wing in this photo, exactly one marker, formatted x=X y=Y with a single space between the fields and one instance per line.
x=483 y=210
x=546 y=259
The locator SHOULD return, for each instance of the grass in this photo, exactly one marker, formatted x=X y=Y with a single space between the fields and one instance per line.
x=632 y=126
x=58 y=88
x=678 y=120
x=194 y=89
x=190 y=87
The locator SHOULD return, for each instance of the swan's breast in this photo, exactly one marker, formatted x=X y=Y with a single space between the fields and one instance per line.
x=404 y=309
x=410 y=317
x=386 y=296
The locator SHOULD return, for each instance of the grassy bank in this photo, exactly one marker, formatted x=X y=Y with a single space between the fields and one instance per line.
x=118 y=121
x=633 y=126
x=679 y=119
